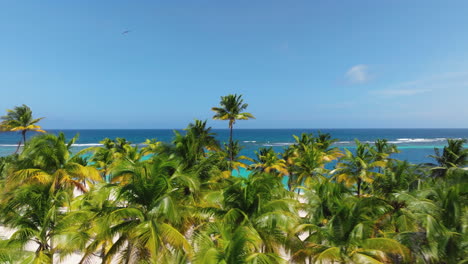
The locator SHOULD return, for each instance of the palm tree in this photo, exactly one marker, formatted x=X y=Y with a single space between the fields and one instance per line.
x=308 y=156
x=12 y=253
x=20 y=119
x=33 y=210
x=47 y=159
x=151 y=146
x=397 y=176
x=348 y=238
x=206 y=138
x=358 y=168
x=147 y=222
x=112 y=151
x=231 y=109
x=238 y=160
x=191 y=147
x=453 y=156
x=384 y=149
x=250 y=222
x=269 y=162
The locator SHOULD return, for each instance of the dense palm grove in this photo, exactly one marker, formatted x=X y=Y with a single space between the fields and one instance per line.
x=179 y=203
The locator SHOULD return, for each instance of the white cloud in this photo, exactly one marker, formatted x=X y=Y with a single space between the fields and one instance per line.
x=358 y=74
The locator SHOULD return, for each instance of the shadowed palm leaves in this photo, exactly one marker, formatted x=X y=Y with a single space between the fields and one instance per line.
x=192 y=146
x=398 y=176
x=146 y=220
x=250 y=225
x=33 y=210
x=346 y=235
x=87 y=227
x=238 y=161
x=231 y=109
x=20 y=119
x=453 y=156
x=384 y=149
x=446 y=226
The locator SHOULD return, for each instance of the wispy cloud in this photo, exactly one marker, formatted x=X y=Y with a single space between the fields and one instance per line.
x=358 y=74
x=444 y=81
x=401 y=92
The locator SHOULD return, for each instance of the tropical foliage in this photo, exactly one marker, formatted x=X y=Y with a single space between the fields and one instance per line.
x=20 y=119
x=178 y=201
x=232 y=107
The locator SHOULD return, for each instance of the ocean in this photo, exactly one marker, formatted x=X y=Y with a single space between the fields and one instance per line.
x=415 y=144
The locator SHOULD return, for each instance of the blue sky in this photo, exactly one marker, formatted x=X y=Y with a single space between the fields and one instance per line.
x=299 y=64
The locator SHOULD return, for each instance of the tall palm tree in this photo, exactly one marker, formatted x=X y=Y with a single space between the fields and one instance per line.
x=20 y=119
x=231 y=109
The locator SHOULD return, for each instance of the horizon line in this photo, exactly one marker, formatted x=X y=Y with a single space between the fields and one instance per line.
x=308 y=128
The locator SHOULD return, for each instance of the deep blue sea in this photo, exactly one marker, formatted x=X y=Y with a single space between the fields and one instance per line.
x=415 y=144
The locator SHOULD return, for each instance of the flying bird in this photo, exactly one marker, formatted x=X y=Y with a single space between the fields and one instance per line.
x=126 y=32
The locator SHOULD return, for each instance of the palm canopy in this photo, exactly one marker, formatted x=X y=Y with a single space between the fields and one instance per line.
x=145 y=224
x=454 y=155
x=268 y=161
x=232 y=107
x=20 y=119
x=33 y=211
x=252 y=217
x=347 y=234
x=192 y=146
x=47 y=159
x=308 y=156
x=359 y=167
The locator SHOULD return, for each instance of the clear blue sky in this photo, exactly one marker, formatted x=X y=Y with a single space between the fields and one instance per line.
x=304 y=64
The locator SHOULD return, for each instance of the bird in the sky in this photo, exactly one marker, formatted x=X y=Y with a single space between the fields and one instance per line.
x=126 y=32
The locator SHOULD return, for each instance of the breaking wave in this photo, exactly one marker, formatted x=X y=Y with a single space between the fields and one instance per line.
x=88 y=145
x=346 y=142
x=416 y=140
x=279 y=144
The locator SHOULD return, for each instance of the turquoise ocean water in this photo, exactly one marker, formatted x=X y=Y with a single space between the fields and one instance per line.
x=415 y=144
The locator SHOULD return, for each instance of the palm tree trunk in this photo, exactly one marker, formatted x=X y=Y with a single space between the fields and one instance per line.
x=17 y=148
x=128 y=255
x=103 y=251
x=24 y=141
x=24 y=136
x=231 y=154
